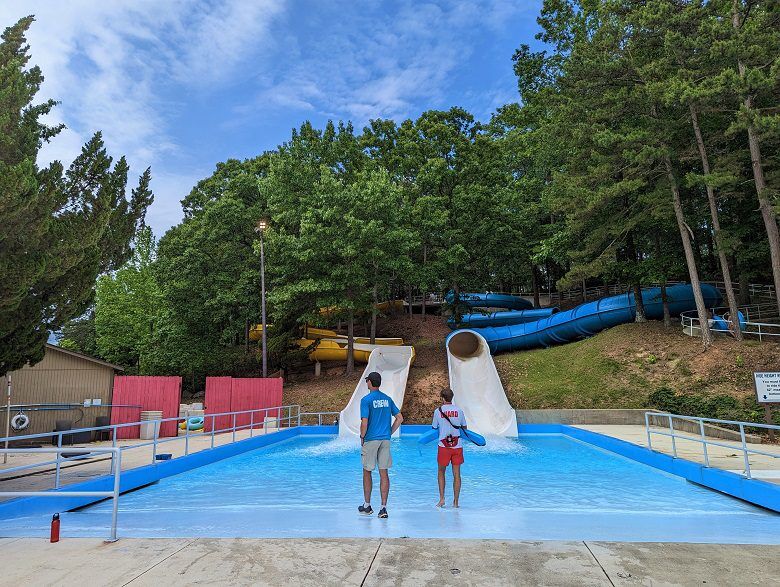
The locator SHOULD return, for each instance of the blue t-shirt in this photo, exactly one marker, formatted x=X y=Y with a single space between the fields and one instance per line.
x=379 y=408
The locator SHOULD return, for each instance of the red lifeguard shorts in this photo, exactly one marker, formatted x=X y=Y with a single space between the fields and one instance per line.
x=449 y=455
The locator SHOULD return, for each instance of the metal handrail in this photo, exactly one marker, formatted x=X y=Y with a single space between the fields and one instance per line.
x=293 y=414
x=690 y=321
x=319 y=415
x=702 y=438
x=116 y=466
x=756 y=290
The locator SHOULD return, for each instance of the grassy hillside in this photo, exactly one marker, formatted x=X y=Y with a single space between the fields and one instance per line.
x=622 y=366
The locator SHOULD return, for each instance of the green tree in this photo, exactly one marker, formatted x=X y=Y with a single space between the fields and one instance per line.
x=60 y=230
x=127 y=304
x=755 y=50
x=209 y=275
x=79 y=335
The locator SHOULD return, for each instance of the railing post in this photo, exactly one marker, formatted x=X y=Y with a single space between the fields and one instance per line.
x=186 y=433
x=704 y=444
x=299 y=416
x=745 y=450
x=213 y=422
x=671 y=430
x=251 y=424
x=234 y=426
x=647 y=429
x=154 y=441
x=59 y=457
x=113 y=445
x=117 y=455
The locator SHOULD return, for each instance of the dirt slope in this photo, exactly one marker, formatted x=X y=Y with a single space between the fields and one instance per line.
x=428 y=374
x=618 y=368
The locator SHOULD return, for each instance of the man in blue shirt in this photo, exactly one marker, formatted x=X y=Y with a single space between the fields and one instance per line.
x=376 y=414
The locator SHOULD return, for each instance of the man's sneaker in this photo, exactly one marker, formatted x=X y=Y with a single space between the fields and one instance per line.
x=383 y=513
x=366 y=511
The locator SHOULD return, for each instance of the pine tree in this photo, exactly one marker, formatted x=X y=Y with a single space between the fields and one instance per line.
x=755 y=47
x=60 y=230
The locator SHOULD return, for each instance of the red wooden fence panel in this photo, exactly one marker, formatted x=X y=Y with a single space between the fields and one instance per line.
x=217 y=401
x=151 y=393
x=246 y=394
x=226 y=394
x=272 y=396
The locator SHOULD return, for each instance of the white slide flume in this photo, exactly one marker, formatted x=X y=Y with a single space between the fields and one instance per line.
x=392 y=363
x=477 y=387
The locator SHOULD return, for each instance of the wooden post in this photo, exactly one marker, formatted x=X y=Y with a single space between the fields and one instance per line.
x=768 y=420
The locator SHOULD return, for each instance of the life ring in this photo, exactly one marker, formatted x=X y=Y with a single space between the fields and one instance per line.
x=20 y=421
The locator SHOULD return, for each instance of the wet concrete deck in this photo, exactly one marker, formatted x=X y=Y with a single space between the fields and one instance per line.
x=382 y=562
x=729 y=458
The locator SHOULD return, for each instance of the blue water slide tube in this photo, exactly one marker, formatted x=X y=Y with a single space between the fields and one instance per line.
x=491 y=300
x=589 y=318
x=721 y=324
x=501 y=318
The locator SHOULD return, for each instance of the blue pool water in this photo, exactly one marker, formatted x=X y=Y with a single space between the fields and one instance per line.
x=534 y=488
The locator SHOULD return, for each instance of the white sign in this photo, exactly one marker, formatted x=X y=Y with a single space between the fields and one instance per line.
x=767 y=387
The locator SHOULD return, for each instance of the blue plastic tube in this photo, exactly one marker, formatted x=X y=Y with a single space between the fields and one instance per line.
x=501 y=318
x=589 y=318
x=491 y=300
x=432 y=435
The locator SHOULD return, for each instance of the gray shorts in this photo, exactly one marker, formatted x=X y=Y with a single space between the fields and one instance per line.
x=376 y=452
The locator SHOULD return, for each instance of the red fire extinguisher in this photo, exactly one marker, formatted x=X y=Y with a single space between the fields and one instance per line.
x=55 y=528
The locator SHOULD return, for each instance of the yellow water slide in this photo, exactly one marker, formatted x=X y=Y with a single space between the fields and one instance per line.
x=312 y=333
x=382 y=307
x=329 y=349
x=332 y=346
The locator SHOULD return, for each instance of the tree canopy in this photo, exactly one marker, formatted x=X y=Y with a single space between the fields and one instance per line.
x=62 y=227
x=643 y=147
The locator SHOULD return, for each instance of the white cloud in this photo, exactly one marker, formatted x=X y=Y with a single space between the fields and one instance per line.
x=175 y=186
x=383 y=60
x=131 y=67
x=223 y=35
x=112 y=64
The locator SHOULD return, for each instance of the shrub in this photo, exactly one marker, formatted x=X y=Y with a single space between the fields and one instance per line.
x=720 y=406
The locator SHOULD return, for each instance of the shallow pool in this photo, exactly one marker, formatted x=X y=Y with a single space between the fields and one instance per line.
x=536 y=487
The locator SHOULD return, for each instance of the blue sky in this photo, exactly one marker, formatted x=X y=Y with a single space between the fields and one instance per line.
x=183 y=84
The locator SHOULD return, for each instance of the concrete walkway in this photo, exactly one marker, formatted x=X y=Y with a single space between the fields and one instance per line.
x=729 y=458
x=381 y=562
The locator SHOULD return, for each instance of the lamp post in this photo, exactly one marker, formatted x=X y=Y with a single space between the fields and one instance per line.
x=262 y=224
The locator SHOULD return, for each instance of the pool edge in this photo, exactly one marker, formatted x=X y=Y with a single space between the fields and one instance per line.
x=755 y=491
x=135 y=478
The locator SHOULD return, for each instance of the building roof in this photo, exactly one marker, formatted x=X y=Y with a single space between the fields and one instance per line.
x=54 y=347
